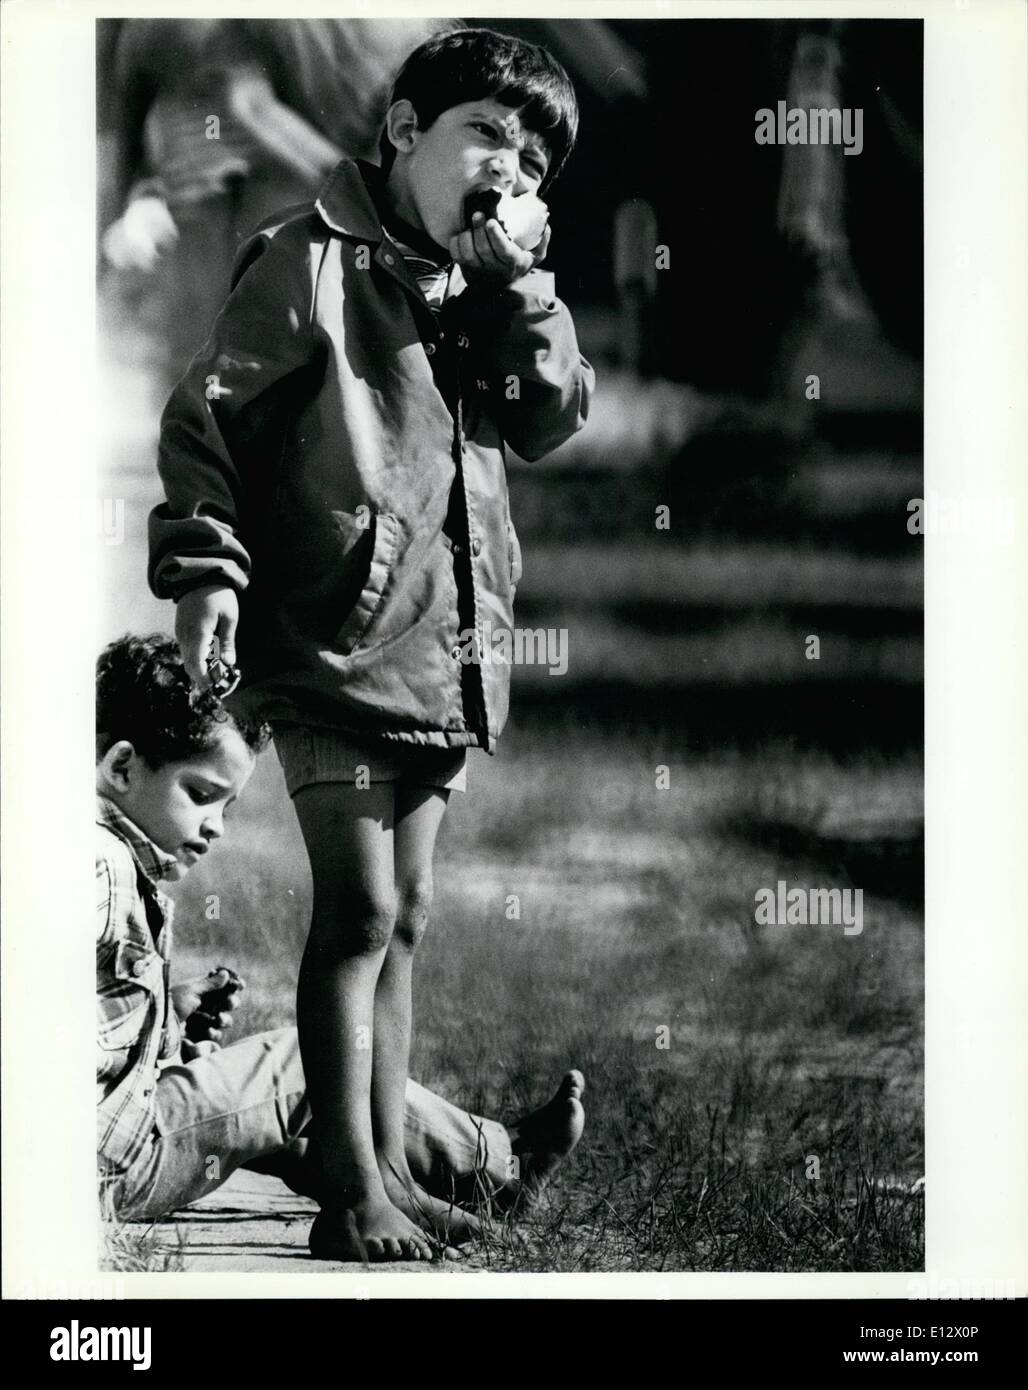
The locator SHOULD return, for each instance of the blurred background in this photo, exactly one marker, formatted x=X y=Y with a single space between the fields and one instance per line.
x=764 y=387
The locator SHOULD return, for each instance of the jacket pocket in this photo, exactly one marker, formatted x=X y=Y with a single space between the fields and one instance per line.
x=127 y=997
x=136 y=965
x=360 y=621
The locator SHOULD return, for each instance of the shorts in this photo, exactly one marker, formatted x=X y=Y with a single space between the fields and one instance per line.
x=310 y=755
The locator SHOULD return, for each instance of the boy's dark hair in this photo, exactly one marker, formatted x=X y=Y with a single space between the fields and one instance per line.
x=143 y=695
x=471 y=64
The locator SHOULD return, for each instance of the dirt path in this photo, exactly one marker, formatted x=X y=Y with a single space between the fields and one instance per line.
x=255 y=1225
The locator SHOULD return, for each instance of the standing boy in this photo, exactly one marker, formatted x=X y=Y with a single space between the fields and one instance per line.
x=334 y=469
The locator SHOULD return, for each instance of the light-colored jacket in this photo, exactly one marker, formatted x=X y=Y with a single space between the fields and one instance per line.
x=335 y=453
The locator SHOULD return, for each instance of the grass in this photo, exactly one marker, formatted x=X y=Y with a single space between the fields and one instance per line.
x=671 y=1188
x=126 y=1250
x=784 y=1044
x=132 y=1248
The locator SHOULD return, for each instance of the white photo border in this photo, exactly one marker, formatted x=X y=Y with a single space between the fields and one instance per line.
x=976 y=228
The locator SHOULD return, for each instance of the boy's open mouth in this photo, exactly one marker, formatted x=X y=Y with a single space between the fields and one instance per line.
x=483 y=200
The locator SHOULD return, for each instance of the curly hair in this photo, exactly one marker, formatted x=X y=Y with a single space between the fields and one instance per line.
x=471 y=64
x=144 y=695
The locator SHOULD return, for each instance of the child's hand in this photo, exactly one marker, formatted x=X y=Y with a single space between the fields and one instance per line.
x=487 y=255
x=206 y=1005
x=140 y=236
x=200 y=616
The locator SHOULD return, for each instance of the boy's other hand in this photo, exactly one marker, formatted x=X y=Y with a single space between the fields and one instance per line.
x=200 y=616
x=206 y=1005
x=487 y=255
x=141 y=235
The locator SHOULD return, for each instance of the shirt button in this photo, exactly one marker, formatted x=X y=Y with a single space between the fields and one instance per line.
x=389 y=260
x=430 y=348
x=455 y=651
x=458 y=549
x=476 y=546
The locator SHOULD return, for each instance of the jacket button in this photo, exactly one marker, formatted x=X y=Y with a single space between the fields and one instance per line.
x=430 y=348
x=476 y=546
x=458 y=549
x=389 y=260
x=455 y=651
x=139 y=968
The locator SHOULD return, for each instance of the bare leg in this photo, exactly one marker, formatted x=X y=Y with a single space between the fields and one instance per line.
x=349 y=838
x=419 y=813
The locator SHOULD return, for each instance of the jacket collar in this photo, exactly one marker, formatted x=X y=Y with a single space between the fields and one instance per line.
x=346 y=205
x=352 y=202
x=153 y=861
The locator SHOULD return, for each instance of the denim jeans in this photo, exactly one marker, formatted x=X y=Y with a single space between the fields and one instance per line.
x=246 y=1105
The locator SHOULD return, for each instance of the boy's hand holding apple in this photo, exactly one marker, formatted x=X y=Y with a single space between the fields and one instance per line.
x=506 y=237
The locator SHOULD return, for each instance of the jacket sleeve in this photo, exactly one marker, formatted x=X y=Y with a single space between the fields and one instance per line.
x=523 y=341
x=222 y=429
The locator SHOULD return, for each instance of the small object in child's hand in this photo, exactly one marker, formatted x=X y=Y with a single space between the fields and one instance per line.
x=523 y=218
x=223 y=677
x=217 y=999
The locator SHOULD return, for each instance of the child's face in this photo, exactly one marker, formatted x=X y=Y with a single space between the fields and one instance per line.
x=180 y=806
x=479 y=144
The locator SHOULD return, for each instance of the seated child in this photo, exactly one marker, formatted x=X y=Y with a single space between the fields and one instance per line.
x=177 y=1113
x=334 y=464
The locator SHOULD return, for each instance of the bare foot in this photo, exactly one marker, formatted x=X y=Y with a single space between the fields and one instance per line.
x=449 y=1222
x=542 y=1140
x=370 y=1230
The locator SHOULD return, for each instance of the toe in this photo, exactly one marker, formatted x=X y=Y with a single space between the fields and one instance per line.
x=573 y=1085
x=374 y=1248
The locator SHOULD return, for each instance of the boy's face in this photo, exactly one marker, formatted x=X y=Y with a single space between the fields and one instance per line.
x=479 y=144
x=180 y=806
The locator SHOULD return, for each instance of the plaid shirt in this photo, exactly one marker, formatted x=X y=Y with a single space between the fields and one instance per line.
x=136 y=1024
